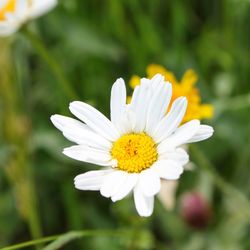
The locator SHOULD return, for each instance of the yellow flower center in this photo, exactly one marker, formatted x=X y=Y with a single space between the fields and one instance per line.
x=134 y=152
x=9 y=6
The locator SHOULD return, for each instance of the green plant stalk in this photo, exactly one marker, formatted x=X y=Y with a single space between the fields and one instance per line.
x=234 y=195
x=43 y=52
x=31 y=243
x=62 y=239
x=17 y=170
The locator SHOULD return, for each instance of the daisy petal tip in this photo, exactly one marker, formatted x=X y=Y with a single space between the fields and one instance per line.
x=57 y=121
x=184 y=99
x=204 y=133
x=76 y=181
x=159 y=75
x=210 y=132
x=196 y=122
x=77 y=178
x=66 y=151
x=104 y=194
x=145 y=214
x=120 y=80
x=168 y=85
x=53 y=118
x=114 y=199
x=73 y=104
x=211 y=129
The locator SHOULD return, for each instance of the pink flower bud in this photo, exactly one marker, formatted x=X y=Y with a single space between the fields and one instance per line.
x=195 y=210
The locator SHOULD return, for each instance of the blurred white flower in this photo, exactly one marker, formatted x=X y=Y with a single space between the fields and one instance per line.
x=13 y=13
x=138 y=147
x=167 y=194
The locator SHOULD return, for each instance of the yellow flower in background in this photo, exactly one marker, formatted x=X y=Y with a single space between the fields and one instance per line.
x=184 y=87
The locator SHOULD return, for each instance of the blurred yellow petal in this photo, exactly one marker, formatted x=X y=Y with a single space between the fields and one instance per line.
x=134 y=81
x=8 y=7
x=207 y=111
x=154 y=69
x=189 y=79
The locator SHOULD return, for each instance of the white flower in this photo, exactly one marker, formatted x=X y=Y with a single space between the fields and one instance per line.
x=138 y=147
x=13 y=13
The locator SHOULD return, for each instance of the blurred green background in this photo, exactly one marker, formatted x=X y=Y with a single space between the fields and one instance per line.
x=90 y=44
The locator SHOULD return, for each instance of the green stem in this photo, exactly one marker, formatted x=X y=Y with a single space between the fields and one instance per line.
x=34 y=220
x=31 y=243
x=235 y=196
x=52 y=63
x=17 y=168
x=62 y=239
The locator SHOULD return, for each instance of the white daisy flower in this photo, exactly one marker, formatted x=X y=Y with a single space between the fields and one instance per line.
x=138 y=147
x=13 y=13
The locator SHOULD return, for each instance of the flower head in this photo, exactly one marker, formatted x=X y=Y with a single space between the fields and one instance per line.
x=185 y=87
x=138 y=146
x=195 y=210
x=13 y=13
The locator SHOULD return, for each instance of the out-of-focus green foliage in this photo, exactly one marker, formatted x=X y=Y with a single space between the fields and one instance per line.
x=94 y=42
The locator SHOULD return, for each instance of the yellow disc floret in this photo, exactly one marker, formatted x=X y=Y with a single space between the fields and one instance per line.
x=8 y=7
x=134 y=152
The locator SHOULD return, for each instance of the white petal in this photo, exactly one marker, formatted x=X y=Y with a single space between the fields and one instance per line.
x=167 y=195
x=135 y=95
x=126 y=187
x=95 y=120
x=40 y=7
x=149 y=182
x=60 y=122
x=79 y=133
x=139 y=104
x=203 y=133
x=128 y=120
x=180 y=136
x=117 y=101
x=172 y=120
x=158 y=105
x=8 y=28
x=112 y=182
x=22 y=8
x=87 y=154
x=144 y=205
x=168 y=169
x=155 y=80
x=179 y=155
x=2 y=3
x=91 y=180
